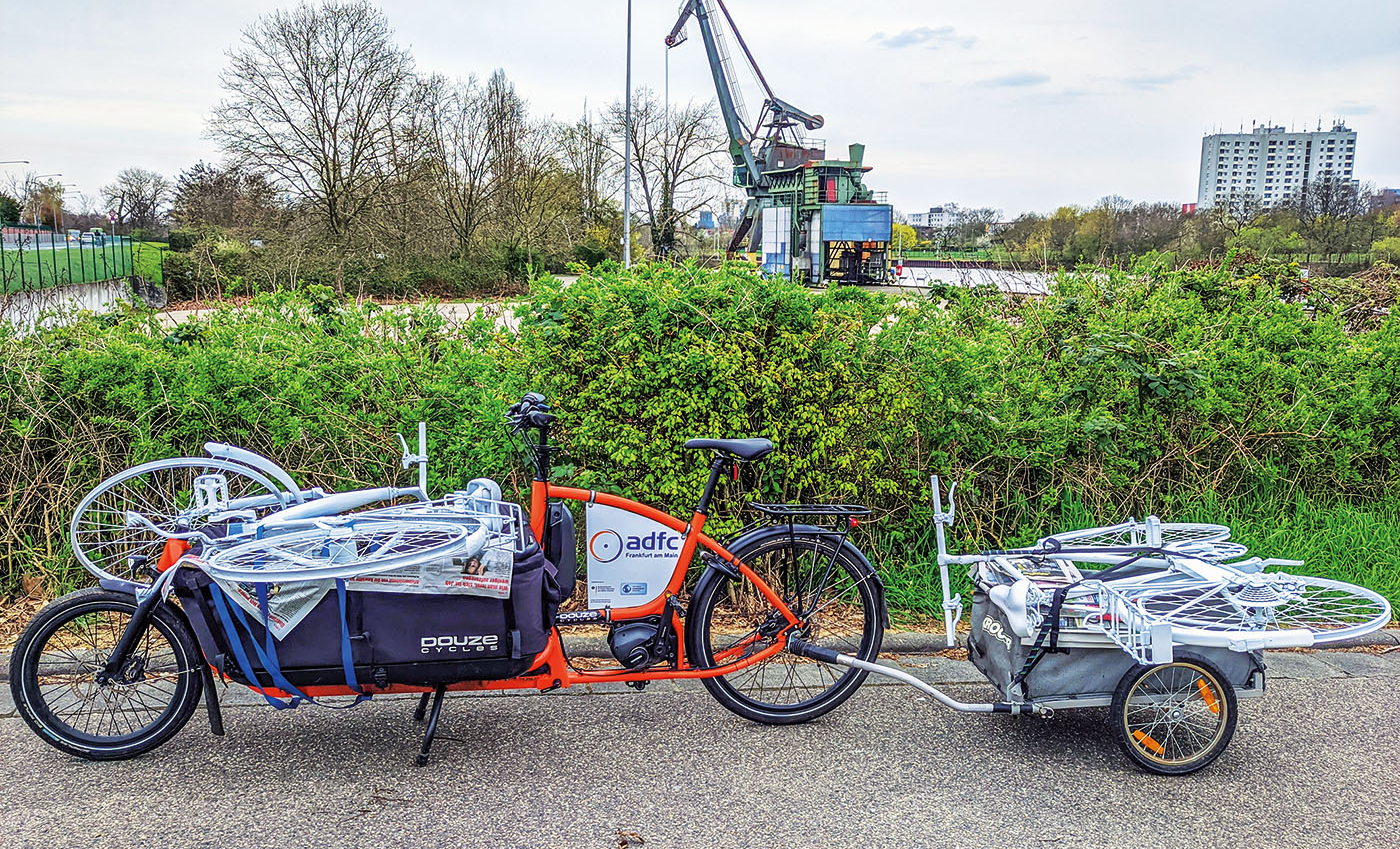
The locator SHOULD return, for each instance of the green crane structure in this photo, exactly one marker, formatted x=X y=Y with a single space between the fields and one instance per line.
x=807 y=216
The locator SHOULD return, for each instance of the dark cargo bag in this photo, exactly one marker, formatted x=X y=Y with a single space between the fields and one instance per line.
x=393 y=638
x=1068 y=673
x=561 y=547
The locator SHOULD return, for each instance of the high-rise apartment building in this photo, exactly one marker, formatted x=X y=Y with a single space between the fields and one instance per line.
x=937 y=216
x=1271 y=163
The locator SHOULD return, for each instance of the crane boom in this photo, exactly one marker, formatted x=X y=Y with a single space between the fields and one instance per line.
x=726 y=87
x=807 y=215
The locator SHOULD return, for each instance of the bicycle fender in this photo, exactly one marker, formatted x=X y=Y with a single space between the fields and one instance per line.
x=117 y=585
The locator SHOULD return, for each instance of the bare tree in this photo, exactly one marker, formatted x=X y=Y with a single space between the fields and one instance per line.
x=583 y=151
x=457 y=132
x=137 y=197
x=675 y=154
x=1329 y=210
x=314 y=97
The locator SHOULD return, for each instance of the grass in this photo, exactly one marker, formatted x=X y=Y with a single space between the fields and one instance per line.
x=148 y=256
x=42 y=268
x=1337 y=540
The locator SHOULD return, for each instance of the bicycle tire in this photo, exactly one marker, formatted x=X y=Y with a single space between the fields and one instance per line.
x=103 y=543
x=747 y=691
x=1155 y=711
x=38 y=700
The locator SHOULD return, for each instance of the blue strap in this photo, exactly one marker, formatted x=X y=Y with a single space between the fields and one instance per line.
x=268 y=658
x=236 y=643
x=347 y=657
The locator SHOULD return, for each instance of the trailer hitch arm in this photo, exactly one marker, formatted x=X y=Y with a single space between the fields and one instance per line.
x=802 y=648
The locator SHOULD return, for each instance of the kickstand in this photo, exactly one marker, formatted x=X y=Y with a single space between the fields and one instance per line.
x=422 y=710
x=438 y=695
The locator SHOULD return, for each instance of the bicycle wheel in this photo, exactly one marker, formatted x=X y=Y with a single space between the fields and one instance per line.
x=834 y=592
x=1272 y=601
x=163 y=491
x=56 y=682
x=1174 y=718
x=360 y=548
x=1133 y=533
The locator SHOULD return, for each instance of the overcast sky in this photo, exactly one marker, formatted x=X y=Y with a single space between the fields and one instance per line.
x=1016 y=105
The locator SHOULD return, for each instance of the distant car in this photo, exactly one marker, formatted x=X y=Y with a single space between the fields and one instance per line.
x=75 y=235
x=94 y=237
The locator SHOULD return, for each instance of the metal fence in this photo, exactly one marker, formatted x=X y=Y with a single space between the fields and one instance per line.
x=33 y=259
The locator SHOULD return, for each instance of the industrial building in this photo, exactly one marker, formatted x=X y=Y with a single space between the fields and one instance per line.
x=1270 y=163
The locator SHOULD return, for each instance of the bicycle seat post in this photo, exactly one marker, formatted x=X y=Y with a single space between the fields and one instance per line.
x=717 y=466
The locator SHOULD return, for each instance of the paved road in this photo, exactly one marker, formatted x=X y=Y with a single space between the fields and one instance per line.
x=1314 y=764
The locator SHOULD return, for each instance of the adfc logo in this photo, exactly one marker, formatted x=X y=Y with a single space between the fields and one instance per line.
x=605 y=546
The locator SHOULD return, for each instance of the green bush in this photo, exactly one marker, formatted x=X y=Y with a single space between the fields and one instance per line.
x=183 y=240
x=1193 y=393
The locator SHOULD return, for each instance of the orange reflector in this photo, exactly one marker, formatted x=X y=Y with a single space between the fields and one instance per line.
x=1208 y=695
x=173 y=551
x=1148 y=743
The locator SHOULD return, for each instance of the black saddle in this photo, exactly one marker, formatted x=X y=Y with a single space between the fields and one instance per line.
x=747 y=450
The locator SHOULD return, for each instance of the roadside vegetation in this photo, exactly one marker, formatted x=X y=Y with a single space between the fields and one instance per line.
x=1330 y=222
x=1231 y=391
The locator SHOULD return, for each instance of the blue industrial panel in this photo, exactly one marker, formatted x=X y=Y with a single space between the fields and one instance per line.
x=856 y=222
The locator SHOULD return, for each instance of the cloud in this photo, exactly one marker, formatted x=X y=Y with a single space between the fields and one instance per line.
x=934 y=37
x=1353 y=107
x=1019 y=79
x=1152 y=82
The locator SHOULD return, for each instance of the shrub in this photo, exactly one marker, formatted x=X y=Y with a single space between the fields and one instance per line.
x=183 y=240
x=1173 y=391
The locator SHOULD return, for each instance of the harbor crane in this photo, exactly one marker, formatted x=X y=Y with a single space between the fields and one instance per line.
x=807 y=216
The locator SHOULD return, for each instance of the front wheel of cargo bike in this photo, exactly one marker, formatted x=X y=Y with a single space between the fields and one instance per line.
x=58 y=684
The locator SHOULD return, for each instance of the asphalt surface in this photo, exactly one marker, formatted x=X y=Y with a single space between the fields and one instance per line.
x=1313 y=764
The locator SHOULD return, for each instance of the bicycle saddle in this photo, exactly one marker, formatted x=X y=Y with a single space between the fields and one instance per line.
x=1015 y=601
x=747 y=450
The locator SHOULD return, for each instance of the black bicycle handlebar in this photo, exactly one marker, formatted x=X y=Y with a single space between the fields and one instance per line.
x=529 y=411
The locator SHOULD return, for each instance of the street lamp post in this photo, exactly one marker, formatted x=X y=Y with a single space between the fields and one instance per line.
x=627 y=154
x=61 y=193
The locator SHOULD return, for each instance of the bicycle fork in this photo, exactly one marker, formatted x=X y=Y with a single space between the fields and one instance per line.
x=115 y=669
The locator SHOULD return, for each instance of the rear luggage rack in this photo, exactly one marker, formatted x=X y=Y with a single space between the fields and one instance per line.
x=785 y=511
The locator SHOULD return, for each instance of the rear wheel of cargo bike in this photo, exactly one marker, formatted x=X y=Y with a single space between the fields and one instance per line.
x=57 y=681
x=833 y=590
x=1174 y=718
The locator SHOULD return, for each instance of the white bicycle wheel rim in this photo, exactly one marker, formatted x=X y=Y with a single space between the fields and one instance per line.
x=75 y=529
x=288 y=557
x=1118 y=536
x=1356 y=612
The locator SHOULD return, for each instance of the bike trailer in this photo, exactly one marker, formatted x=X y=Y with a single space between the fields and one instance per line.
x=1081 y=669
x=370 y=633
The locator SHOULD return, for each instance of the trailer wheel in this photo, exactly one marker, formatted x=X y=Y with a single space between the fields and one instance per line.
x=1174 y=718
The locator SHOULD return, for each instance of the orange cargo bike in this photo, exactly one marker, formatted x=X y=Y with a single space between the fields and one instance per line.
x=221 y=568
